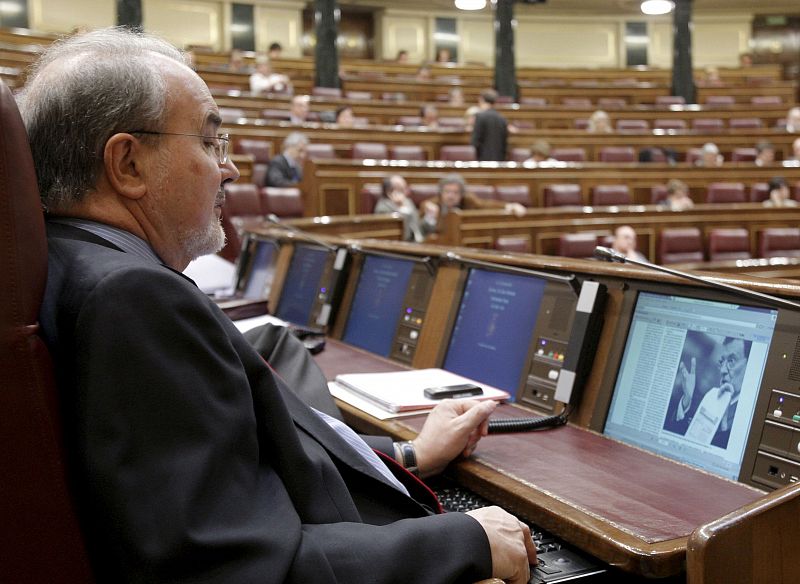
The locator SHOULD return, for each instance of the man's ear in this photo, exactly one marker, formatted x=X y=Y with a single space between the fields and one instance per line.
x=123 y=163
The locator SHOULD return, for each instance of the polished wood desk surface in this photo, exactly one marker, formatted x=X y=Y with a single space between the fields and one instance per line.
x=629 y=508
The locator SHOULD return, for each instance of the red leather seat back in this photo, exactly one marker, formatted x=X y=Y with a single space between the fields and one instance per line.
x=708 y=124
x=779 y=242
x=617 y=154
x=604 y=195
x=745 y=123
x=261 y=151
x=744 y=154
x=376 y=150
x=514 y=194
x=370 y=193
x=41 y=540
x=516 y=243
x=283 y=202
x=633 y=126
x=577 y=245
x=422 y=192
x=681 y=244
x=320 y=151
x=481 y=191
x=667 y=100
x=669 y=124
x=726 y=192
x=333 y=92
x=728 y=244
x=241 y=200
x=759 y=192
x=569 y=154
x=560 y=195
x=408 y=152
x=457 y=152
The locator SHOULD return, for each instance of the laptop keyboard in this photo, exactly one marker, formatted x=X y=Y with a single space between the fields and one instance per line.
x=558 y=561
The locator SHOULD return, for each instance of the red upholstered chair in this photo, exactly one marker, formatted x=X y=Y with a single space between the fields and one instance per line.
x=462 y=152
x=680 y=244
x=611 y=103
x=515 y=243
x=320 y=151
x=520 y=154
x=759 y=192
x=581 y=123
x=725 y=192
x=562 y=195
x=423 y=192
x=275 y=114
x=605 y=195
x=779 y=242
x=744 y=155
x=668 y=100
x=481 y=191
x=693 y=155
x=658 y=193
x=745 y=123
x=633 y=126
x=408 y=152
x=261 y=151
x=370 y=193
x=332 y=92
x=504 y=99
x=409 y=120
x=766 y=100
x=241 y=201
x=231 y=115
x=359 y=95
x=533 y=101
x=452 y=122
x=376 y=150
x=41 y=539
x=283 y=202
x=396 y=96
x=577 y=245
x=577 y=102
x=617 y=154
x=569 y=154
x=728 y=244
x=720 y=100
x=514 y=194
x=708 y=124
x=669 y=124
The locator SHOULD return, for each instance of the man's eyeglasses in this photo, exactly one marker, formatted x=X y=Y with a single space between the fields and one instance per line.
x=218 y=143
x=728 y=361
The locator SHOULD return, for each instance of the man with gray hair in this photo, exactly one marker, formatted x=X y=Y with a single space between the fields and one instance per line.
x=188 y=458
x=286 y=169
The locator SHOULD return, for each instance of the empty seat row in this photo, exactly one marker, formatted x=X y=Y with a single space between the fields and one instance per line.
x=419 y=192
x=697 y=124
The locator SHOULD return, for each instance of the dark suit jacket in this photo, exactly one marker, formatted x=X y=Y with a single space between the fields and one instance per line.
x=490 y=135
x=282 y=174
x=191 y=461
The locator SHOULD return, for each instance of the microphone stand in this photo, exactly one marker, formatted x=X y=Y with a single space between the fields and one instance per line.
x=608 y=254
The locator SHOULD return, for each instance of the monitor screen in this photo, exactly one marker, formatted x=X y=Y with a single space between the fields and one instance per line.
x=378 y=303
x=258 y=268
x=689 y=378
x=303 y=284
x=494 y=327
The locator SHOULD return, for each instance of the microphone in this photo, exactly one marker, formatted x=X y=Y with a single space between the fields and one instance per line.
x=275 y=220
x=607 y=254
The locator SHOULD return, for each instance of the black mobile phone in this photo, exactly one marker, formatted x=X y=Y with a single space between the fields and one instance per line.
x=454 y=391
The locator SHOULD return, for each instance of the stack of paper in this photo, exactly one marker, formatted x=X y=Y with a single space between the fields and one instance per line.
x=402 y=391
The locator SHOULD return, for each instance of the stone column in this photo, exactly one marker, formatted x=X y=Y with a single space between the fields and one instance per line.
x=505 y=74
x=129 y=13
x=326 y=57
x=682 y=71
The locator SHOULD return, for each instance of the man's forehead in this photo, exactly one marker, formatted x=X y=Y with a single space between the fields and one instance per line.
x=189 y=97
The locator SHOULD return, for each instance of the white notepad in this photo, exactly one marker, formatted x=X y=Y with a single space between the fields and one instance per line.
x=401 y=391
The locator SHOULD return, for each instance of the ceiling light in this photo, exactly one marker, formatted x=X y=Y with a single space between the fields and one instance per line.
x=10 y=8
x=470 y=4
x=656 y=7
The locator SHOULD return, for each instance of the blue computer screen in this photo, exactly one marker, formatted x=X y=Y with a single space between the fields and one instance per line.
x=494 y=327
x=378 y=303
x=303 y=284
x=260 y=270
x=689 y=378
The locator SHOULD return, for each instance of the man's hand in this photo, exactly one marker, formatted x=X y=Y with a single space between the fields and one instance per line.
x=510 y=543
x=517 y=209
x=687 y=380
x=453 y=427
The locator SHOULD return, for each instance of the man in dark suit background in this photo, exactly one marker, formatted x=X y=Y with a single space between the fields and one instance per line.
x=189 y=458
x=286 y=169
x=490 y=132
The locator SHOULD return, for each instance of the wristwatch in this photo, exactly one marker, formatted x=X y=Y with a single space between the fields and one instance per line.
x=408 y=456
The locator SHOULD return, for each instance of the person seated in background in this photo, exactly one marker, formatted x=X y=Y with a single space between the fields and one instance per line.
x=274 y=51
x=429 y=116
x=745 y=60
x=658 y=154
x=779 y=194
x=263 y=80
x=345 y=117
x=793 y=120
x=678 y=198
x=402 y=56
x=236 y=61
x=795 y=151
x=456 y=97
x=286 y=169
x=299 y=108
x=453 y=195
x=444 y=56
x=395 y=199
x=540 y=152
x=765 y=153
x=711 y=78
x=599 y=123
x=625 y=243
x=424 y=73
x=710 y=156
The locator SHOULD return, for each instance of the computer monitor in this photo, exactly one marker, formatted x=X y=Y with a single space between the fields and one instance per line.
x=389 y=306
x=494 y=328
x=689 y=377
x=311 y=286
x=256 y=267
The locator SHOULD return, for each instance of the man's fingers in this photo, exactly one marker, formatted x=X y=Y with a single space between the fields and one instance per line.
x=694 y=365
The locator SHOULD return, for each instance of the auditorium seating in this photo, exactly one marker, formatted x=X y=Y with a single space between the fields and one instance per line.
x=481 y=191
x=728 y=244
x=761 y=100
x=520 y=154
x=669 y=124
x=317 y=151
x=231 y=115
x=409 y=120
x=744 y=155
x=720 y=100
x=725 y=192
x=283 y=202
x=359 y=95
x=519 y=244
x=577 y=102
x=407 y=152
x=745 y=123
x=331 y=92
x=632 y=126
x=658 y=193
x=370 y=193
x=275 y=114
x=605 y=195
x=577 y=245
x=261 y=151
x=668 y=100
x=561 y=195
x=708 y=125
x=617 y=154
x=759 y=192
x=421 y=192
x=241 y=201
x=375 y=150
x=458 y=152
x=514 y=194
x=533 y=101
x=569 y=154
x=611 y=103
x=680 y=245
x=779 y=242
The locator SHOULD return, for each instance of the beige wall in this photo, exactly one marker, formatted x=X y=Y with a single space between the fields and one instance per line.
x=185 y=22
x=61 y=16
x=280 y=23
